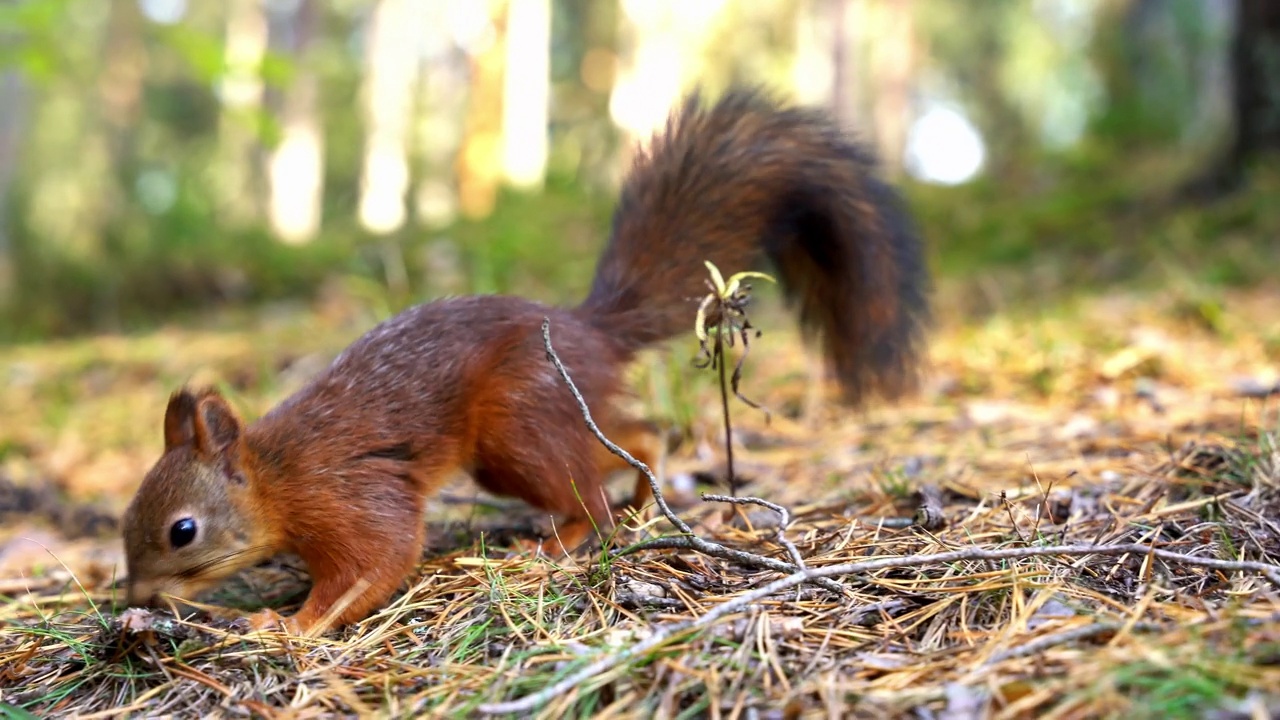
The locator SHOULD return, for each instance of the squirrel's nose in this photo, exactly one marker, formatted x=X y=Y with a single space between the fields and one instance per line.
x=141 y=594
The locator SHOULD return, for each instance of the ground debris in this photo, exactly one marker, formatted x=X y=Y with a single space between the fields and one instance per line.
x=1046 y=432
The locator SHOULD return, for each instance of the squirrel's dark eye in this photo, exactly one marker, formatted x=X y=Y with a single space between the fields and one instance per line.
x=182 y=533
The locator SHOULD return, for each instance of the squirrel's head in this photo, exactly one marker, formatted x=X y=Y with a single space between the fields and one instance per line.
x=192 y=523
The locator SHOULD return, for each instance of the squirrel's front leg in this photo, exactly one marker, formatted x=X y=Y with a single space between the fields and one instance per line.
x=354 y=576
x=353 y=588
x=356 y=594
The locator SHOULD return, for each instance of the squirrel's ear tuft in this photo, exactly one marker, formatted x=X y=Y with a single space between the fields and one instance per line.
x=216 y=424
x=180 y=419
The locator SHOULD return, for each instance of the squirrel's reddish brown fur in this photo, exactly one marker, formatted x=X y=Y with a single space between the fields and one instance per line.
x=340 y=472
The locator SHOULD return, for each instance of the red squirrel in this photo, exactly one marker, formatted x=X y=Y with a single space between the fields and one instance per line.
x=340 y=472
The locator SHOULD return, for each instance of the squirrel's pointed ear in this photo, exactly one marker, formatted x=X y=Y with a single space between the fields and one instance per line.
x=216 y=425
x=180 y=419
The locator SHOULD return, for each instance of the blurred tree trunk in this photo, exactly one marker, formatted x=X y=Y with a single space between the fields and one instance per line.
x=13 y=107
x=844 y=61
x=241 y=93
x=120 y=89
x=479 y=159
x=526 y=92
x=295 y=167
x=391 y=70
x=1255 y=65
x=659 y=43
x=442 y=103
x=588 y=133
x=893 y=71
x=120 y=86
x=1003 y=125
x=1255 y=106
x=827 y=50
x=442 y=97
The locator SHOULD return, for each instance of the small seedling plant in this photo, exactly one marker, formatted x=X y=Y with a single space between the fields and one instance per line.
x=721 y=323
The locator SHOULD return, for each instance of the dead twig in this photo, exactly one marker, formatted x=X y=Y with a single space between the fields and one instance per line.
x=783 y=521
x=663 y=634
x=717 y=358
x=694 y=542
x=930 y=515
x=1084 y=632
x=888 y=523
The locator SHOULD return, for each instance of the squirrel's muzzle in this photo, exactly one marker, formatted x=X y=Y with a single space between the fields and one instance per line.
x=141 y=594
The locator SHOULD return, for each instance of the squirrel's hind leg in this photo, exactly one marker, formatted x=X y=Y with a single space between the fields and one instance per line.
x=558 y=475
x=547 y=457
x=575 y=497
x=642 y=440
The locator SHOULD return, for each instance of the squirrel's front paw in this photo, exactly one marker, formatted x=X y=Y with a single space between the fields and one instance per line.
x=271 y=620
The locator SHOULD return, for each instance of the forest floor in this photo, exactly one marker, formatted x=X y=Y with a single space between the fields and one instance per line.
x=1137 y=420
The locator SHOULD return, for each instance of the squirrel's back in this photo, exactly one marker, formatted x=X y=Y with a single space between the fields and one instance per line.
x=436 y=370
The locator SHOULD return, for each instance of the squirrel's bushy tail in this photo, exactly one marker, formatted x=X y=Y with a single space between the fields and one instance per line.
x=746 y=179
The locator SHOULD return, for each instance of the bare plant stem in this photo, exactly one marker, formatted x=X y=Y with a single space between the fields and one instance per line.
x=718 y=358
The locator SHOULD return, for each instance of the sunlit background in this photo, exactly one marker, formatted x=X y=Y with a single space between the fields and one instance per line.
x=160 y=155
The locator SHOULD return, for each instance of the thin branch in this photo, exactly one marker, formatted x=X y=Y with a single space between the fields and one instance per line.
x=694 y=542
x=783 y=521
x=1045 y=642
x=665 y=633
x=888 y=522
x=718 y=356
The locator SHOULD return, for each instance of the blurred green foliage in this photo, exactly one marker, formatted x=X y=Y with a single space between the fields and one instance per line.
x=1044 y=220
